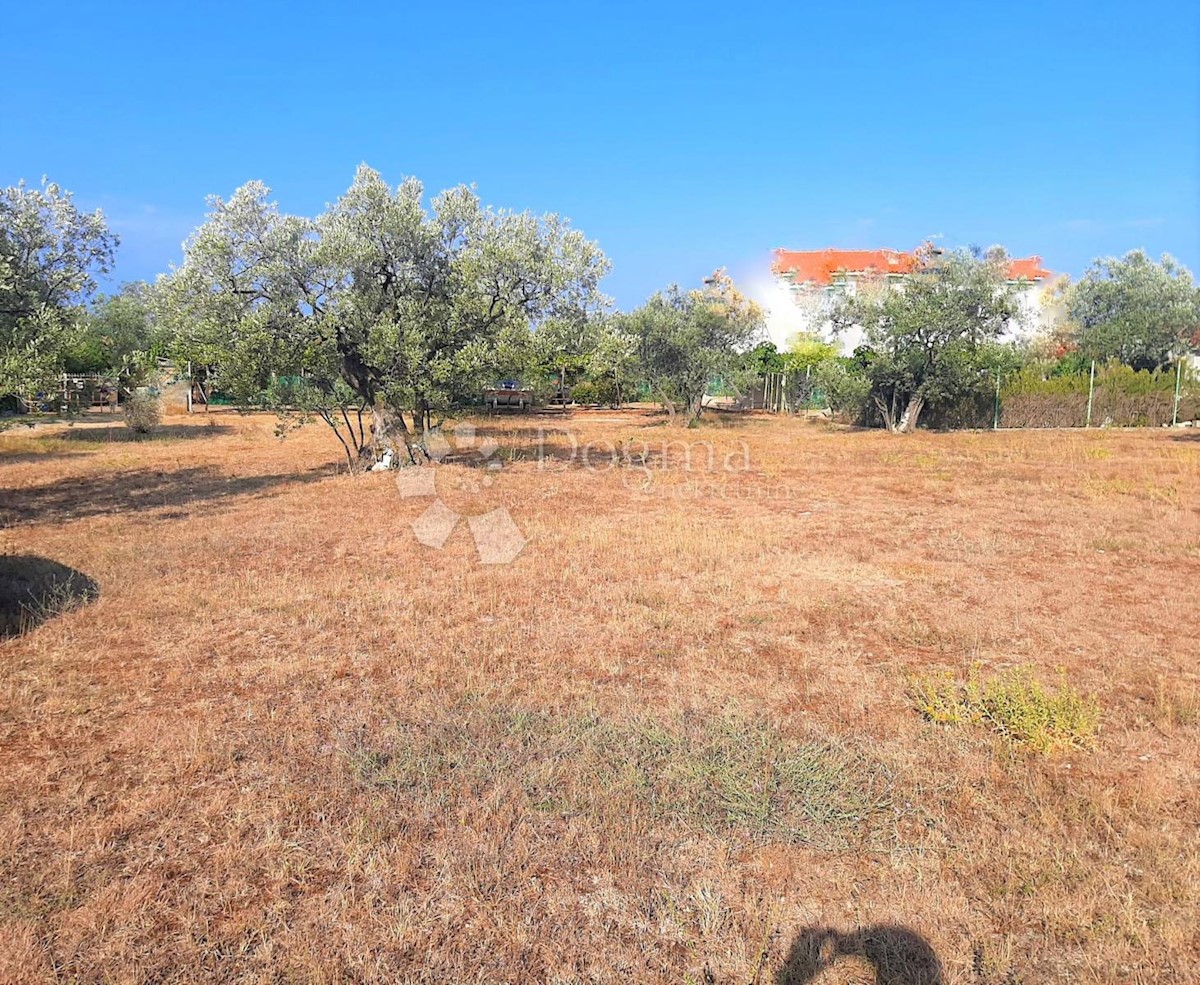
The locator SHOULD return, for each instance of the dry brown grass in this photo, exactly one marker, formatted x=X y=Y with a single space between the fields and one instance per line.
x=669 y=743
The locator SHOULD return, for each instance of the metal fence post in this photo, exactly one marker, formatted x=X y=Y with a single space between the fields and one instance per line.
x=1091 y=392
x=1178 y=382
x=996 y=414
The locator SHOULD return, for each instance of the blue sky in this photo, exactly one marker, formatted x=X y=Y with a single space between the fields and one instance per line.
x=681 y=136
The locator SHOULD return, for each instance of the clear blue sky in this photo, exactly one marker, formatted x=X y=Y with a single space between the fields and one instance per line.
x=681 y=136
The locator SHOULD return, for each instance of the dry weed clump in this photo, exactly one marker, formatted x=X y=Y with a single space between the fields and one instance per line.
x=1176 y=703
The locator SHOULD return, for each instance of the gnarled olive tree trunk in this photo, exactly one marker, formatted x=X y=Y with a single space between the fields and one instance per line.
x=390 y=432
x=895 y=420
x=692 y=410
x=682 y=413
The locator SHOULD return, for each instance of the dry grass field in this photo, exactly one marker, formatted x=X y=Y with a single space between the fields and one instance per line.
x=673 y=741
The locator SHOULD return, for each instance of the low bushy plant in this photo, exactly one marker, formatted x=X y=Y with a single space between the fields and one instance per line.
x=1013 y=704
x=143 y=410
x=584 y=392
x=1046 y=380
x=846 y=387
x=598 y=391
x=606 y=390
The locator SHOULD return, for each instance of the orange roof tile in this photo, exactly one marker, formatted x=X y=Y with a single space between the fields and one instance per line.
x=820 y=266
x=1028 y=267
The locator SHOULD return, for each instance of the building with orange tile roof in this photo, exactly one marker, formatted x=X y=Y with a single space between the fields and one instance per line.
x=823 y=268
x=813 y=278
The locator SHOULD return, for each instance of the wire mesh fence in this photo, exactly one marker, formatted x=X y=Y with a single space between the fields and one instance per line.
x=1113 y=396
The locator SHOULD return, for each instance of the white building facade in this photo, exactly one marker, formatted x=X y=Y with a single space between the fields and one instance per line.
x=814 y=279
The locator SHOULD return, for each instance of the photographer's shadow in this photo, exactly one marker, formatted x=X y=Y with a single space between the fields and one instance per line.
x=896 y=955
x=34 y=589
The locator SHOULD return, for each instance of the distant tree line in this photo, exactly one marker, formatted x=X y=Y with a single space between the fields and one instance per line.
x=945 y=339
x=387 y=312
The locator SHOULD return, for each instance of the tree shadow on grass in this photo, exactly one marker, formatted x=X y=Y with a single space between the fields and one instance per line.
x=182 y=493
x=119 y=432
x=558 y=442
x=34 y=589
x=10 y=457
x=896 y=955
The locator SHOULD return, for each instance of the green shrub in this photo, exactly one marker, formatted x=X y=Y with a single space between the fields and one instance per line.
x=971 y=409
x=846 y=387
x=606 y=390
x=1013 y=704
x=143 y=410
x=1114 y=377
x=601 y=391
x=584 y=392
x=1044 y=396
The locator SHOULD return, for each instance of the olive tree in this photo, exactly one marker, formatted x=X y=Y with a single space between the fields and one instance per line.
x=1134 y=310
x=686 y=338
x=436 y=301
x=380 y=305
x=932 y=337
x=612 y=364
x=117 y=335
x=50 y=256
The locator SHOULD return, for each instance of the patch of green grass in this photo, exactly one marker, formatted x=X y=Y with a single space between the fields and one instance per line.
x=726 y=772
x=1013 y=704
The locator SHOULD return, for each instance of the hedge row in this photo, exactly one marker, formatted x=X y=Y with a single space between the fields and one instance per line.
x=1109 y=408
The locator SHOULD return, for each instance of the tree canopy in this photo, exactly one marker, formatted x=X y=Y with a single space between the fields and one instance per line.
x=50 y=256
x=388 y=310
x=806 y=350
x=686 y=338
x=1134 y=310
x=380 y=303
x=931 y=338
x=117 y=334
